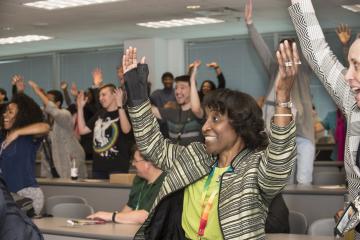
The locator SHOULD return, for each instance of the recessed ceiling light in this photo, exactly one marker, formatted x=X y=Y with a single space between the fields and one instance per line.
x=193 y=6
x=22 y=39
x=353 y=8
x=60 y=4
x=180 y=22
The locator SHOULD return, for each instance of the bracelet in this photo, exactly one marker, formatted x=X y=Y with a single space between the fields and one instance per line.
x=283 y=115
x=120 y=107
x=113 y=216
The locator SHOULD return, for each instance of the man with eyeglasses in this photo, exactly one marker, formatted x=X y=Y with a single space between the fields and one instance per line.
x=146 y=186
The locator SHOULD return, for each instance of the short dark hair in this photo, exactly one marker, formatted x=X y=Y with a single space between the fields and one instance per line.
x=183 y=78
x=109 y=85
x=57 y=96
x=244 y=114
x=28 y=113
x=167 y=75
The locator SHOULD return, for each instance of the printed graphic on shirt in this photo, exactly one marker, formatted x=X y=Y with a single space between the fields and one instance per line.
x=106 y=132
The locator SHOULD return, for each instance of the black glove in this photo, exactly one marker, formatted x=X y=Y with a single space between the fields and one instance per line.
x=136 y=85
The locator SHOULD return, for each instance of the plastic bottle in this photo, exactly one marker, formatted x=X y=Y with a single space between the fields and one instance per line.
x=74 y=171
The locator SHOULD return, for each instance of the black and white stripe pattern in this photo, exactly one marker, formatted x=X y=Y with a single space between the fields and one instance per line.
x=331 y=73
x=244 y=194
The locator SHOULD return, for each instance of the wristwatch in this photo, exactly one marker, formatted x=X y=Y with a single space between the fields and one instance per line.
x=288 y=104
x=114 y=216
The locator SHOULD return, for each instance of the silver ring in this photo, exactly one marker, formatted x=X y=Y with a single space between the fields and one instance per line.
x=298 y=62
x=288 y=64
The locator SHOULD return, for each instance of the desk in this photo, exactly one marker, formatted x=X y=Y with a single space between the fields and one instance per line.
x=314 y=201
x=100 y=194
x=328 y=166
x=58 y=229
x=296 y=237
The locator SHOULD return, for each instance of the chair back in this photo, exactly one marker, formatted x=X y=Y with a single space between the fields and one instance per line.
x=322 y=227
x=329 y=178
x=54 y=200
x=72 y=210
x=297 y=222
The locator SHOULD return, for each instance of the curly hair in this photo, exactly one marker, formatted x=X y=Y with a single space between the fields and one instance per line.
x=28 y=113
x=244 y=114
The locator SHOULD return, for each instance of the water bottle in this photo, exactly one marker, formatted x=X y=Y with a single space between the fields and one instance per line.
x=74 y=171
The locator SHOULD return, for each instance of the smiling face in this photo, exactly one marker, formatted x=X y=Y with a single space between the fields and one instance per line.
x=107 y=97
x=220 y=136
x=206 y=87
x=10 y=116
x=182 y=92
x=353 y=73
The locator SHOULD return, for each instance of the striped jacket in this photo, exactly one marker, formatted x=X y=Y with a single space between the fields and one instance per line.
x=244 y=193
x=331 y=73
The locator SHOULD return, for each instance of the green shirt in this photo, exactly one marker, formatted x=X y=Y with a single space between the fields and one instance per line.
x=142 y=194
x=192 y=208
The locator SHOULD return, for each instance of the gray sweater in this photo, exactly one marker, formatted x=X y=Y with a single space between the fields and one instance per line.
x=300 y=94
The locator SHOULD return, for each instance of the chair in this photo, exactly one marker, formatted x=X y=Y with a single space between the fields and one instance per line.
x=329 y=178
x=322 y=227
x=297 y=222
x=72 y=210
x=54 y=200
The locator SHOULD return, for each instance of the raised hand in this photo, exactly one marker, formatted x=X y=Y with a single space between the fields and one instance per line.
x=248 y=12
x=63 y=85
x=288 y=59
x=81 y=100
x=119 y=96
x=130 y=59
x=18 y=81
x=344 y=33
x=74 y=90
x=97 y=77
x=33 y=84
x=212 y=65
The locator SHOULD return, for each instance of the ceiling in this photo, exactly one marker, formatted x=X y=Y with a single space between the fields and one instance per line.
x=112 y=23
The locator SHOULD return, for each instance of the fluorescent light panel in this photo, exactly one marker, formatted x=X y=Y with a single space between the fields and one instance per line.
x=61 y=4
x=353 y=8
x=22 y=39
x=180 y=22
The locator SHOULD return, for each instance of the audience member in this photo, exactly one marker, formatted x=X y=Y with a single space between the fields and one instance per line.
x=111 y=128
x=225 y=185
x=300 y=95
x=65 y=147
x=22 y=122
x=162 y=97
x=185 y=120
x=145 y=188
x=3 y=100
x=208 y=85
x=342 y=84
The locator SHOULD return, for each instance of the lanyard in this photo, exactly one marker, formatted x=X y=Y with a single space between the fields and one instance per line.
x=207 y=207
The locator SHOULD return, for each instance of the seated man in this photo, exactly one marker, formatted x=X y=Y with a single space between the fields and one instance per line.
x=146 y=186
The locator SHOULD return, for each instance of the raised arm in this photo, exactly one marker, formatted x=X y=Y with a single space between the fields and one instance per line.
x=18 y=85
x=64 y=88
x=148 y=137
x=344 y=34
x=319 y=55
x=44 y=99
x=32 y=129
x=124 y=121
x=219 y=74
x=194 y=95
x=258 y=41
x=280 y=157
x=81 y=101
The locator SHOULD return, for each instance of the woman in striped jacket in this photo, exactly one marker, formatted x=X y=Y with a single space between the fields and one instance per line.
x=220 y=189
